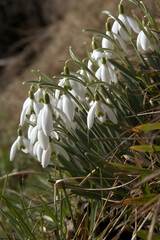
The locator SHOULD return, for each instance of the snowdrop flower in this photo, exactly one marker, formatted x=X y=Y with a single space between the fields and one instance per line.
x=46 y=155
x=143 y=42
x=30 y=106
x=95 y=56
x=39 y=95
x=106 y=43
x=33 y=135
x=37 y=151
x=52 y=148
x=33 y=120
x=67 y=106
x=43 y=139
x=61 y=84
x=106 y=72
x=99 y=110
x=45 y=121
x=128 y=22
x=17 y=145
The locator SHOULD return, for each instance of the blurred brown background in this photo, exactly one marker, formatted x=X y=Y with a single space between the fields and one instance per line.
x=36 y=34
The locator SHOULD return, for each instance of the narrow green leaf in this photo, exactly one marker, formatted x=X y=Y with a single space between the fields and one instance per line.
x=143 y=234
x=148 y=127
x=132 y=169
x=142 y=200
x=134 y=1
x=145 y=148
x=18 y=217
x=51 y=215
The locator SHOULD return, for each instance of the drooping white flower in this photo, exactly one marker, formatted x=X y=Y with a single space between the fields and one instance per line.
x=52 y=148
x=33 y=135
x=17 y=145
x=99 y=110
x=46 y=155
x=43 y=139
x=106 y=72
x=39 y=95
x=67 y=106
x=143 y=42
x=95 y=58
x=109 y=44
x=129 y=23
x=45 y=121
x=30 y=106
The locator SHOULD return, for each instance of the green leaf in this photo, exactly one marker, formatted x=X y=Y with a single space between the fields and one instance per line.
x=145 y=148
x=49 y=212
x=143 y=234
x=142 y=200
x=132 y=169
x=148 y=127
x=18 y=217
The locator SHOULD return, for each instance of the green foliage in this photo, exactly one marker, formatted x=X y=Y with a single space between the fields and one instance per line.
x=108 y=167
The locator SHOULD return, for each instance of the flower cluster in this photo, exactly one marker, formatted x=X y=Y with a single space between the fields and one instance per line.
x=51 y=114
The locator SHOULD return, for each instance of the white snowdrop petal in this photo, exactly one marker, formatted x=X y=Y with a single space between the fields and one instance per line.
x=113 y=74
x=37 y=107
x=106 y=43
x=46 y=121
x=43 y=139
x=29 y=107
x=97 y=55
x=23 y=115
x=39 y=153
x=124 y=20
x=39 y=119
x=110 y=113
x=46 y=157
x=54 y=135
x=28 y=146
x=144 y=42
x=105 y=75
x=61 y=150
x=138 y=42
x=35 y=149
x=68 y=107
x=98 y=73
x=115 y=27
x=102 y=118
x=91 y=116
x=39 y=94
x=33 y=135
x=13 y=150
x=123 y=34
x=111 y=116
x=133 y=24
x=121 y=42
x=30 y=128
x=90 y=65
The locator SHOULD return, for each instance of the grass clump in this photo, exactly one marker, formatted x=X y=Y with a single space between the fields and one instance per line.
x=96 y=133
